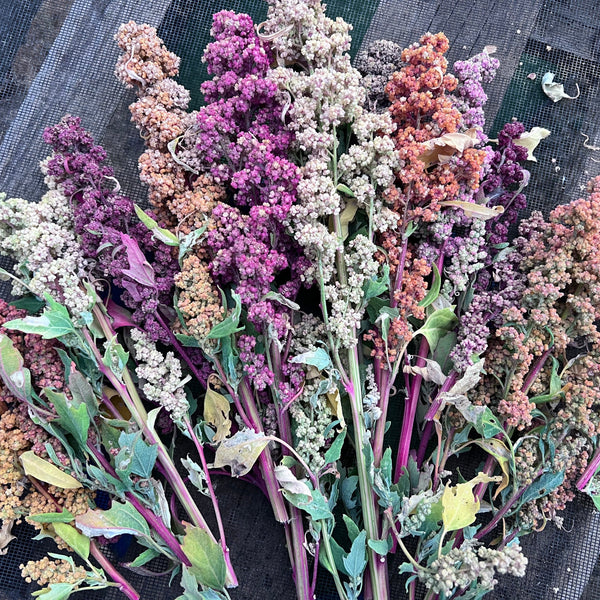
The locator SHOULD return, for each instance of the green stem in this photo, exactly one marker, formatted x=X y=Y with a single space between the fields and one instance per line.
x=329 y=554
x=377 y=569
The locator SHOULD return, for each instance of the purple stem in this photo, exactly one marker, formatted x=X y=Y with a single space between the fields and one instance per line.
x=536 y=370
x=433 y=409
x=211 y=491
x=300 y=563
x=180 y=349
x=124 y=585
x=153 y=520
x=111 y=407
x=500 y=514
x=410 y=410
x=313 y=585
x=383 y=384
x=267 y=466
x=399 y=274
x=435 y=405
x=589 y=472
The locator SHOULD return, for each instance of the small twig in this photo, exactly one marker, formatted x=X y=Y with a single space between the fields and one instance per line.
x=589 y=146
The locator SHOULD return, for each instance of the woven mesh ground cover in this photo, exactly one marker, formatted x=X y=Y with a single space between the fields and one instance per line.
x=58 y=56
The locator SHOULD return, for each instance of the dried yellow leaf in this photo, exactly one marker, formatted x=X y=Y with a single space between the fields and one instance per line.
x=45 y=471
x=459 y=506
x=440 y=150
x=216 y=412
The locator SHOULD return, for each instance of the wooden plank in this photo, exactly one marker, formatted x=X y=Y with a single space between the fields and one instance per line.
x=77 y=78
x=470 y=26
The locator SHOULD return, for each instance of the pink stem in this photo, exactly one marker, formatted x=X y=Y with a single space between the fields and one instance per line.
x=212 y=494
x=124 y=585
x=153 y=520
x=384 y=395
x=589 y=472
x=410 y=410
x=536 y=370
x=180 y=349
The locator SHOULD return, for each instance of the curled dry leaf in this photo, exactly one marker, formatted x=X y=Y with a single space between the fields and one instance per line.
x=6 y=536
x=554 y=90
x=475 y=211
x=335 y=405
x=440 y=150
x=240 y=451
x=216 y=412
x=430 y=372
x=288 y=481
x=531 y=139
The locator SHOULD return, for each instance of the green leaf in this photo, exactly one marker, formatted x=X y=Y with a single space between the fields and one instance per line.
x=316 y=506
x=596 y=500
x=356 y=561
x=230 y=324
x=555 y=385
x=136 y=456
x=79 y=542
x=335 y=450
x=411 y=227
x=189 y=585
x=115 y=357
x=317 y=358
x=240 y=451
x=189 y=341
x=145 y=557
x=206 y=556
x=117 y=520
x=345 y=190
x=55 y=591
x=381 y=547
x=385 y=318
x=82 y=392
x=196 y=475
x=374 y=307
x=281 y=299
x=487 y=424
x=543 y=486
x=187 y=242
x=54 y=517
x=377 y=285
x=230 y=361
x=53 y=323
x=434 y=291
x=162 y=235
x=73 y=419
x=15 y=376
x=32 y=304
x=338 y=558
x=45 y=471
x=352 y=528
x=437 y=325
